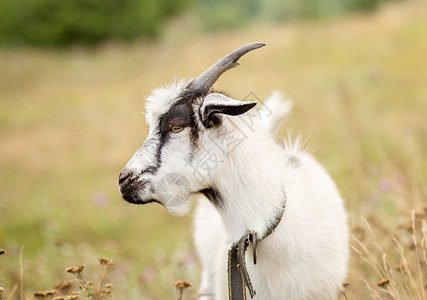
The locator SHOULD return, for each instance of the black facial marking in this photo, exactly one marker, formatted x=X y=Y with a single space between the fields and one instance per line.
x=180 y=115
x=151 y=169
x=214 y=196
x=157 y=162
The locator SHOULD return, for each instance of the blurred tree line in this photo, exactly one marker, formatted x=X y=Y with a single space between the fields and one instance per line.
x=88 y=22
x=64 y=22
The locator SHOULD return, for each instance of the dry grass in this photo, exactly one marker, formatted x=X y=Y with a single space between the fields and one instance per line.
x=70 y=120
x=398 y=259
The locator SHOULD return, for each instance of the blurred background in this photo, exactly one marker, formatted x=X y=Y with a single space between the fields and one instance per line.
x=73 y=77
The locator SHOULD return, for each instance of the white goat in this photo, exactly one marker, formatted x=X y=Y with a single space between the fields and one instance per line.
x=201 y=141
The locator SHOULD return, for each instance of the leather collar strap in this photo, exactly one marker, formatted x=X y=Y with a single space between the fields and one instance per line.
x=238 y=276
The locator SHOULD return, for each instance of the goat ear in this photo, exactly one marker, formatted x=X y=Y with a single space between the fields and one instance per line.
x=216 y=103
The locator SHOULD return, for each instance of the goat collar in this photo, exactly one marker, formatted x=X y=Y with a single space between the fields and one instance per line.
x=238 y=276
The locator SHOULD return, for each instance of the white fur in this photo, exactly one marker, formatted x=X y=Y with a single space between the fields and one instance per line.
x=306 y=256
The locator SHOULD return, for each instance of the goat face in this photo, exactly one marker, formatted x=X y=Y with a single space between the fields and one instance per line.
x=164 y=168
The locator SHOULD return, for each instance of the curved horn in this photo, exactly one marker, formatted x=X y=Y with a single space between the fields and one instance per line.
x=207 y=79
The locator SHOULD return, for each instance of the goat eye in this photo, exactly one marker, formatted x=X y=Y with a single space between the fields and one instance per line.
x=177 y=128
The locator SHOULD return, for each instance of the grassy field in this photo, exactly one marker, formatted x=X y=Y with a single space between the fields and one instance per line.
x=70 y=120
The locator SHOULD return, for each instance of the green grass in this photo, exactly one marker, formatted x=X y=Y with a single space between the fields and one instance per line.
x=69 y=121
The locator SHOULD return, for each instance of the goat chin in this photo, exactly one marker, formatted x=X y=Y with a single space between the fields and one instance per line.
x=179 y=210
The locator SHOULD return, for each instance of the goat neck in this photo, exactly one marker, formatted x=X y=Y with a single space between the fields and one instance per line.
x=250 y=184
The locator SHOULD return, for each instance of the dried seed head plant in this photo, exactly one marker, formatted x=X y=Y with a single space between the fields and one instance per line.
x=84 y=285
x=75 y=270
x=64 y=286
x=105 y=261
x=180 y=286
x=45 y=295
x=107 y=289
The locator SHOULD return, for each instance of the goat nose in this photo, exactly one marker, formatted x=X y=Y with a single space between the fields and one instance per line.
x=125 y=174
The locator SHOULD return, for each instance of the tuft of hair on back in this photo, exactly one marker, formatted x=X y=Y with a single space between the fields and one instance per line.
x=295 y=143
